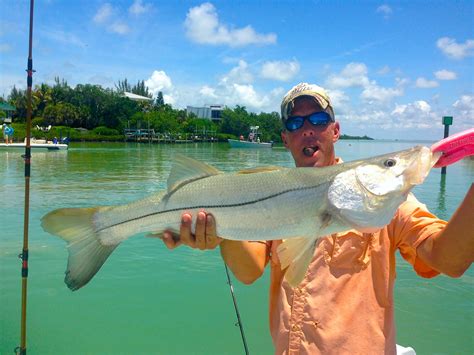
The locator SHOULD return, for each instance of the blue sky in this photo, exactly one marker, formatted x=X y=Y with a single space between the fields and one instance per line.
x=392 y=69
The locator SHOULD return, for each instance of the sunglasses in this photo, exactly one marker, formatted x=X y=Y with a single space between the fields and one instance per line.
x=316 y=119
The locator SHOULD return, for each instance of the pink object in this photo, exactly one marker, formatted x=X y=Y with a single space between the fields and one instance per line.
x=454 y=147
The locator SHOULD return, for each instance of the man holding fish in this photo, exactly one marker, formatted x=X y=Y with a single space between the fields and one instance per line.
x=337 y=296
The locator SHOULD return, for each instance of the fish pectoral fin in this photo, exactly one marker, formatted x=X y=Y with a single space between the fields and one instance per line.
x=262 y=169
x=296 y=255
x=159 y=234
x=186 y=170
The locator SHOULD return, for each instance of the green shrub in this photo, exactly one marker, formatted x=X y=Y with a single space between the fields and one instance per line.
x=37 y=121
x=105 y=131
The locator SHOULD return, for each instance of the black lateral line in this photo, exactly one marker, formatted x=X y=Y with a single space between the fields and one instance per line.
x=209 y=206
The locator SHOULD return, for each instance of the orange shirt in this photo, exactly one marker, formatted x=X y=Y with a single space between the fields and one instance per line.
x=345 y=303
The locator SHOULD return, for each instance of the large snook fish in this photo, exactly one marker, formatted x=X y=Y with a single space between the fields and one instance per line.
x=296 y=204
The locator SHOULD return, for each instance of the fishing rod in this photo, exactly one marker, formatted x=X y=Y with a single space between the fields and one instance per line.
x=239 y=321
x=27 y=157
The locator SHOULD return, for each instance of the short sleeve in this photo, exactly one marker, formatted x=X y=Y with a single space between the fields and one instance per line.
x=411 y=226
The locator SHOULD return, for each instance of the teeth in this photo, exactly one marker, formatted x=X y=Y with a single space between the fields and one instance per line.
x=309 y=151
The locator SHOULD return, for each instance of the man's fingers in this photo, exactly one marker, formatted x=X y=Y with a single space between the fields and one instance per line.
x=185 y=231
x=212 y=240
x=200 y=233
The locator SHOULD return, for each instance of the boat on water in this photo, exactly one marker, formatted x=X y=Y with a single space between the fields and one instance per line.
x=252 y=142
x=36 y=144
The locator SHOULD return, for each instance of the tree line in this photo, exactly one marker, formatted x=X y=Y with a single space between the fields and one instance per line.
x=107 y=111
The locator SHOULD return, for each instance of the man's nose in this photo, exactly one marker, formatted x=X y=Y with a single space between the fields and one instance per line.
x=308 y=129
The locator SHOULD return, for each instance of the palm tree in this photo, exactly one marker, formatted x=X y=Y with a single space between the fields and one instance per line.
x=41 y=97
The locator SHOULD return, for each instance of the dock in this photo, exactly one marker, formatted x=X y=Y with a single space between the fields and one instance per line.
x=150 y=136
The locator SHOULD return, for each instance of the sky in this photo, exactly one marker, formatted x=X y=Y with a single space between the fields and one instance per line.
x=393 y=69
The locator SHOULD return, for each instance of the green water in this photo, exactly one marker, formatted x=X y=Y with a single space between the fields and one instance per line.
x=148 y=300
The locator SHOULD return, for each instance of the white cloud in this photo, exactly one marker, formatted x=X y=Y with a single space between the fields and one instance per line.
x=138 y=8
x=231 y=94
x=104 y=13
x=240 y=74
x=159 y=81
x=413 y=115
x=374 y=93
x=280 y=70
x=119 y=27
x=425 y=83
x=445 y=75
x=385 y=10
x=247 y=95
x=107 y=17
x=169 y=99
x=465 y=109
x=340 y=101
x=203 y=26
x=353 y=74
x=401 y=81
x=356 y=75
x=384 y=70
x=455 y=50
x=64 y=38
x=208 y=92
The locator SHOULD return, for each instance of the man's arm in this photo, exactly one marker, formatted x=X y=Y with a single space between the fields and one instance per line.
x=247 y=260
x=451 y=251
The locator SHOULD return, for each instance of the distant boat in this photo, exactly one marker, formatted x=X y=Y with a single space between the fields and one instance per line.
x=38 y=144
x=235 y=143
x=252 y=142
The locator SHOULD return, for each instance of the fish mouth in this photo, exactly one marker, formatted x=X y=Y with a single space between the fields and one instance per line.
x=420 y=167
x=310 y=150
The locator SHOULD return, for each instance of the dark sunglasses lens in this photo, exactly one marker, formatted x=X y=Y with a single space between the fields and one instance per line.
x=293 y=123
x=319 y=118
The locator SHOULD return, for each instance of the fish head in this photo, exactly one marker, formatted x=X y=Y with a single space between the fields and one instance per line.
x=395 y=173
x=368 y=194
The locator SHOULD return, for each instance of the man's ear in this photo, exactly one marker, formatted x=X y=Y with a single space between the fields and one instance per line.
x=284 y=138
x=336 y=132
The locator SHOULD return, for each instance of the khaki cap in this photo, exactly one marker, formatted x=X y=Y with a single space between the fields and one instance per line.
x=305 y=89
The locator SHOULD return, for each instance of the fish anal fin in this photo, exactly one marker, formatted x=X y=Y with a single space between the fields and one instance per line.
x=186 y=170
x=296 y=254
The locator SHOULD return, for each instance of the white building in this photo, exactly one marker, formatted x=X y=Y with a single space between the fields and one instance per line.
x=211 y=112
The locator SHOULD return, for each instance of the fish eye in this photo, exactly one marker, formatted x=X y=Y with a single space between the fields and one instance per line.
x=389 y=163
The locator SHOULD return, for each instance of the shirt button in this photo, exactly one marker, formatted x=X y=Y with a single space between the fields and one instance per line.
x=316 y=324
x=295 y=327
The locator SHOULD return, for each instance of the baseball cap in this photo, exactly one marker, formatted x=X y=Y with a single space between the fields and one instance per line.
x=305 y=89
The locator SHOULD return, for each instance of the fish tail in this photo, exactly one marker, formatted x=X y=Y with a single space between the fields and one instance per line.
x=86 y=252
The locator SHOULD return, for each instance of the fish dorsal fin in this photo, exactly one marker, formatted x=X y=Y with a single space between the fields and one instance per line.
x=186 y=170
x=262 y=169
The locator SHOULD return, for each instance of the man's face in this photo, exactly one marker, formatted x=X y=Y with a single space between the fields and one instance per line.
x=319 y=139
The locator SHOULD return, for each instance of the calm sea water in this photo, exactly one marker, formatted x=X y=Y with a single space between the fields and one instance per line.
x=148 y=300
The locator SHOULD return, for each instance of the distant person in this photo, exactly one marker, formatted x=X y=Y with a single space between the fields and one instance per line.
x=241 y=137
x=251 y=137
x=8 y=133
x=345 y=303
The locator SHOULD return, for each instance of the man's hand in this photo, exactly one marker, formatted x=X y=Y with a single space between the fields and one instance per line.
x=205 y=236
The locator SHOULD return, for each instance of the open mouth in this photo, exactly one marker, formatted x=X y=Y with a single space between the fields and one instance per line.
x=309 y=151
